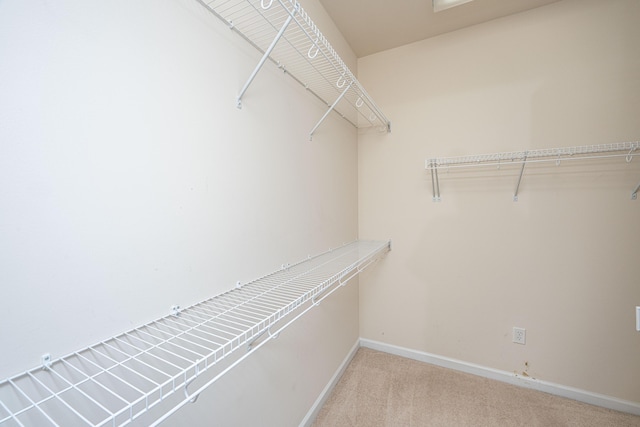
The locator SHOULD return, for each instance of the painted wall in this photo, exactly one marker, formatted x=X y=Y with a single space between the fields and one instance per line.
x=562 y=261
x=129 y=182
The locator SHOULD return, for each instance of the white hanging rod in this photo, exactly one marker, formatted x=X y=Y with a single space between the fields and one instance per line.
x=285 y=34
x=115 y=381
x=624 y=149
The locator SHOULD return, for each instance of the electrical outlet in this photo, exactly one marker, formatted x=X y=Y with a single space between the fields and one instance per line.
x=519 y=335
x=638 y=318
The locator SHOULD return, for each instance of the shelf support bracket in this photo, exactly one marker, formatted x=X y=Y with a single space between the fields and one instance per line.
x=435 y=182
x=264 y=58
x=634 y=194
x=46 y=361
x=344 y=92
x=524 y=162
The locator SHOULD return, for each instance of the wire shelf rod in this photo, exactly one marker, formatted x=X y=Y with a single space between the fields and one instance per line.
x=213 y=380
x=115 y=364
x=230 y=318
x=221 y=325
x=117 y=380
x=202 y=314
x=162 y=346
x=265 y=56
x=188 y=338
x=140 y=352
x=9 y=417
x=249 y=297
x=92 y=378
x=274 y=289
x=547 y=154
x=210 y=328
x=331 y=65
x=73 y=387
x=522 y=158
x=181 y=341
x=176 y=338
x=518 y=162
x=232 y=366
x=306 y=84
x=251 y=307
x=34 y=404
x=304 y=53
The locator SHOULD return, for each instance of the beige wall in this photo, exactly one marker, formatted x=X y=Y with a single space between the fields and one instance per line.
x=561 y=262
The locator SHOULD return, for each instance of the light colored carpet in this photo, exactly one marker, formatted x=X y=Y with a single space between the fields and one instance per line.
x=379 y=389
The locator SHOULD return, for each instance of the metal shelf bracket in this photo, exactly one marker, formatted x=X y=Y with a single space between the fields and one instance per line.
x=435 y=182
x=267 y=53
x=524 y=162
x=331 y=108
x=46 y=361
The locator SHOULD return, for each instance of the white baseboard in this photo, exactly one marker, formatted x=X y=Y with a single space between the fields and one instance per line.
x=507 y=377
x=317 y=405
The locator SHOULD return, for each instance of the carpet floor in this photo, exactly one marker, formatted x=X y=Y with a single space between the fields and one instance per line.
x=379 y=389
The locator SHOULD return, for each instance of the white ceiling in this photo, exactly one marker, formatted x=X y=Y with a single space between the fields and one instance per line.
x=372 y=26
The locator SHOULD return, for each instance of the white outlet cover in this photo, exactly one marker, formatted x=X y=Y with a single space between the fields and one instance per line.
x=519 y=335
x=638 y=319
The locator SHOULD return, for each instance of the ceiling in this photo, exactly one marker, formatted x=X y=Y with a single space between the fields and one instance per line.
x=371 y=26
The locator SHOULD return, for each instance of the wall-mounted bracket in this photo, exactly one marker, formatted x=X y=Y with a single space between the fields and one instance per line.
x=435 y=182
x=46 y=361
x=264 y=58
x=175 y=310
x=331 y=107
x=524 y=162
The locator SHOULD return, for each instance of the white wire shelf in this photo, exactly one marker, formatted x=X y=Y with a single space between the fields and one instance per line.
x=115 y=381
x=285 y=34
x=557 y=155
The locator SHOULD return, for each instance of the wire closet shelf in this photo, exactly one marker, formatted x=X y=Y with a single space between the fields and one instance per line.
x=115 y=381
x=522 y=158
x=285 y=34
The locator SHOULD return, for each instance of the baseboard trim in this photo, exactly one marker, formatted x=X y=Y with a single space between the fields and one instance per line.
x=507 y=377
x=320 y=401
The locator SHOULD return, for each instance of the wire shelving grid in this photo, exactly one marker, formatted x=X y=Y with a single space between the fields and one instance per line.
x=114 y=381
x=557 y=155
x=287 y=36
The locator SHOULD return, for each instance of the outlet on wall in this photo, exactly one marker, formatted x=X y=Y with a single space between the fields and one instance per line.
x=519 y=335
x=638 y=318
